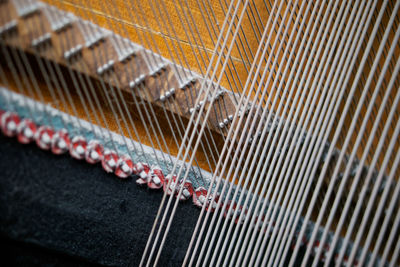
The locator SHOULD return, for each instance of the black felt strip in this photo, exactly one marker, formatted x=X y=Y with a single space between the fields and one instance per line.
x=74 y=208
x=78 y=214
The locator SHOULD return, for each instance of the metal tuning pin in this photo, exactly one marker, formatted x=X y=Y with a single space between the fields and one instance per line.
x=41 y=40
x=73 y=52
x=8 y=27
x=105 y=68
x=137 y=81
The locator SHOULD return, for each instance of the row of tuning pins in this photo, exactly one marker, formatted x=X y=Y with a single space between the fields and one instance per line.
x=223 y=106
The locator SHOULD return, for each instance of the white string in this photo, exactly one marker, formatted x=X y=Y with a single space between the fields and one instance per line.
x=228 y=136
x=362 y=162
x=378 y=181
x=150 y=117
x=278 y=149
x=107 y=89
x=21 y=62
x=241 y=158
x=299 y=158
x=275 y=141
x=286 y=157
x=389 y=211
x=311 y=96
x=345 y=110
x=44 y=73
x=396 y=251
x=207 y=92
x=298 y=198
x=349 y=134
x=84 y=88
x=207 y=113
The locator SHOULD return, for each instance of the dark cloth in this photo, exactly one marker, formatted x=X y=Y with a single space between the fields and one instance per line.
x=55 y=210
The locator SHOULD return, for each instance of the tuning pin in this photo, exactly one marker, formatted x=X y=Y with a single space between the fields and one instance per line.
x=187 y=190
x=9 y=123
x=94 y=152
x=109 y=161
x=156 y=178
x=142 y=170
x=60 y=142
x=173 y=185
x=26 y=131
x=43 y=137
x=78 y=147
x=124 y=166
